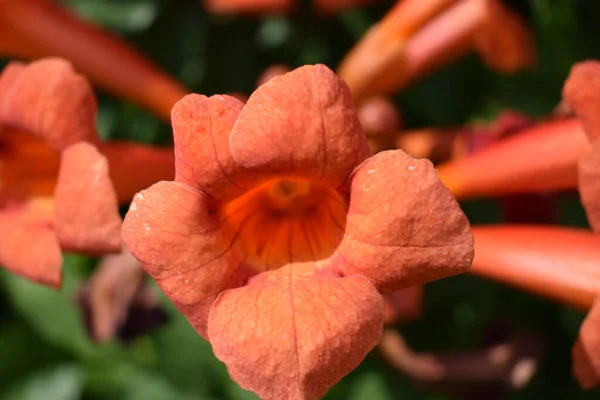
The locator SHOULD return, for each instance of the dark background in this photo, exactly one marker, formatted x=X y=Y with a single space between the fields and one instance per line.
x=44 y=350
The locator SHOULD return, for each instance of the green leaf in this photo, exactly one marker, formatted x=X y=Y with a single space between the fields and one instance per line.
x=118 y=15
x=63 y=382
x=186 y=359
x=127 y=381
x=53 y=314
x=23 y=352
x=370 y=386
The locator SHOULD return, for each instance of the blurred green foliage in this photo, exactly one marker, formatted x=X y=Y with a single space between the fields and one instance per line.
x=44 y=351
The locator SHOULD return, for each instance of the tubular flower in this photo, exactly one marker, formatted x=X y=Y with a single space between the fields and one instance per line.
x=279 y=235
x=556 y=263
x=507 y=167
x=31 y=29
x=560 y=264
x=47 y=115
x=581 y=94
x=453 y=143
x=418 y=37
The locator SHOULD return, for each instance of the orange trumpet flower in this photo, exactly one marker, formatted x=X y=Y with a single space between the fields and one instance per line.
x=31 y=29
x=55 y=186
x=417 y=37
x=47 y=100
x=541 y=158
x=278 y=241
x=581 y=94
x=557 y=263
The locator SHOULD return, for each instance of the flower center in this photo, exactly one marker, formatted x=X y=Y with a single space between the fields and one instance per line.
x=283 y=221
x=27 y=166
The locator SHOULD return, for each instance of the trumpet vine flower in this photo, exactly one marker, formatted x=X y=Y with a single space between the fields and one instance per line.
x=557 y=263
x=453 y=143
x=279 y=235
x=47 y=113
x=32 y=29
x=581 y=93
x=507 y=167
x=560 y=264
x=418 y=37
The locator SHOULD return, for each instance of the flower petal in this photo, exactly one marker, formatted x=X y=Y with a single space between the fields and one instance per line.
x=286 y=336
x=301 y=123
x=201 y=128
x=586 y=352
x=582 y=92
x=589 y=185
x=9 y=75
x=169 y=230
x=50 y=100
x=404 y=227
x=31 y=251
x=86 y=214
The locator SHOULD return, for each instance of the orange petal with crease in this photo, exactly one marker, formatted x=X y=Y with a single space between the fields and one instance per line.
x=315 y=133
x=86 y=215
x=49 y=100
x=201 y=128
x=292 y=337
x=404 y=227
x=169 y=230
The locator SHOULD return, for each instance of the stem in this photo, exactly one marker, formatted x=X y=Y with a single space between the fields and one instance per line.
x=510 y=364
